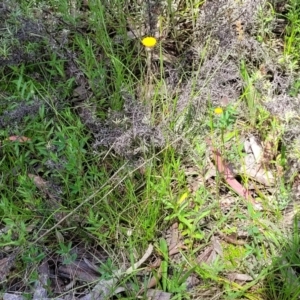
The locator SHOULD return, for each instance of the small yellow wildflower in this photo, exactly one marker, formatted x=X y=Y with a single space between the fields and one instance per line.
x=218 y=110
x=149 y=41
x=182 y=198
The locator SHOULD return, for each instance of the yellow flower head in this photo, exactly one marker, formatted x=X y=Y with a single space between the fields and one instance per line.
x=182 y=198
x=149 y=41
x=218 y=110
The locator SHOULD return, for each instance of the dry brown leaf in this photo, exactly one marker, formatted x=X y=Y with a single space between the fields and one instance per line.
x=256 y=149
x=204 y=256
x=155 y=264
x=177 y=248
x=271 y=145
x=107 y=287
x=38 y=181
x=8 y=296
x=225 y=170
x=217 y=246
x=16 y=138
x=5 y=266
x=158 y=295
x=227 y=202
x=194 y=177
x=210 y=254
x=154 y=280
x=230 y=239
x=174 y=240
x=229 y=177
x=192 y=281
x=253 y=166
x=80 y=93
x=102 y=290
x=174 y=246
x=91 y=265
x=78 y=270
x=53 y=201
x=40 y=291
x=257 y=172
x=239 y=277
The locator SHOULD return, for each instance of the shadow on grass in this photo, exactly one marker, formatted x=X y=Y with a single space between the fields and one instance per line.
x=283 y=280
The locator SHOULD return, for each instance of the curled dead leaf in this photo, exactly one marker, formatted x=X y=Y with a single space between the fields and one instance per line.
x=210 y=254
x=228 y=175
x=239 y=277
x=253 y=165
x=17 y=138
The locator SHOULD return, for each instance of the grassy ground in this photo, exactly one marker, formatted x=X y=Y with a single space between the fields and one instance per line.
x=130 y=171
